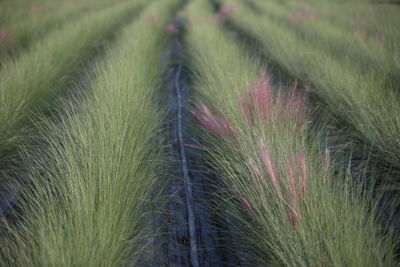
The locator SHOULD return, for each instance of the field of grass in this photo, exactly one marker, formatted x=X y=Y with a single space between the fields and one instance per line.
x=364 y=98
x=98 y=178
x=41 y=72
x=100 y=100
x=289 y=206
x=24 y=22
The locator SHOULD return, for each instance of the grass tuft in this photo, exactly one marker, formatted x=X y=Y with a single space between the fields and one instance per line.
x=92 y=191
x=286 y=199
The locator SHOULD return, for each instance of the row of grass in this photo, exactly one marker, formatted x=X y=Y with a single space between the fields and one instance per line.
x=36 y=20
x=41 y=72
x=368 y=16
x=14 y=11
x=365 y=16
x=365 y=101
x=365 y=50
x=89 y=195
x=286 y=201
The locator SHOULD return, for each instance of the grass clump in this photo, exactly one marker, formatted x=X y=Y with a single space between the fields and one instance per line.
x=29 y=21
x=364 y=47
x=364 y=100
x=287 y=202
x=41 y=72
x=88 y=200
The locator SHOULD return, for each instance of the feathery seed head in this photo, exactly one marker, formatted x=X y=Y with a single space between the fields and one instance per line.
x=171 y=29
x=225 y=12
x=214 y=125
x=304 y=182
x=258 y=100
x=267 y=161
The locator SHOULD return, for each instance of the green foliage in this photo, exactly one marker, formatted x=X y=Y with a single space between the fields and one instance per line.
x=41 y=72
x=25 y=22
x=285 y=199
x=88 y=200
x=91 y=188
x=365 y=99
x=357 y=40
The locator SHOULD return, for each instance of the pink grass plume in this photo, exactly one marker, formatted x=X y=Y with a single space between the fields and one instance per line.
x=292 y=213
x=296 y=106
x=267 y=161
x=293 y=181
x=247 y=204
x=171 y=29
x=262 y=102
x=298 y=189
x=257 y=173
x=225 y=12
x=259 y=100
x=214 y=125
x=304 y=172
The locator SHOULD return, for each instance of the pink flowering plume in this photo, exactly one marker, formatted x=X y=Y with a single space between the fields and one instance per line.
x=304 y=172
x=218 y=126
x=225 y=12
x=247 y=204
x=296 y=106
x=270 y=167
x=262 y=102
x=293 y=206
x=297 y=188
x=293 y=217
x=257 y=172
x=258 y=101
x=171 y=29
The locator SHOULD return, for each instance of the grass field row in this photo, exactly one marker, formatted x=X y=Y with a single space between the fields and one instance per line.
x=287 y=202
x=90 y=196
x=366 y=49
x=365 y=100
x=86 y=144
x=30 y=22
x=41 y=72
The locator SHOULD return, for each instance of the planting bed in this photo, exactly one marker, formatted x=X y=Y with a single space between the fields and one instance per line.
x=199 y=133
